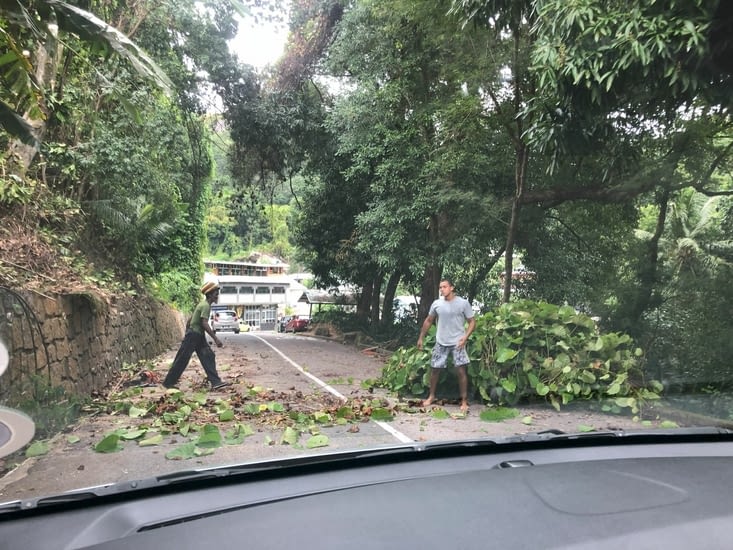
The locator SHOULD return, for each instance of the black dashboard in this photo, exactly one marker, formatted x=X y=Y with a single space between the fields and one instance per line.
x=569 y=495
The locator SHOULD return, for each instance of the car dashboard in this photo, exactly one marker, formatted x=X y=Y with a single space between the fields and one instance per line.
x=562 y=495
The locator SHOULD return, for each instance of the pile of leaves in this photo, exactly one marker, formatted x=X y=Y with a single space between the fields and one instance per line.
x=205 y=423
x=527 y=351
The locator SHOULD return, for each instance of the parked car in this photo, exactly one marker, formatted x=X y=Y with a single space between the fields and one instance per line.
x=297 y=324
x=225 y=320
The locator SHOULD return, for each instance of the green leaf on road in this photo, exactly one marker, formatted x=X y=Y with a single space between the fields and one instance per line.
x=72 y=439
x=440 y=414
x=150 y=441
x=201 y=451
x=137 y=412
x=251 y=408
x=110 y=444
x=345 y=412
x=584 y=428
x=382 y=414
x=498 y=414
x=184 y=452
x=199 y=398
x=527 y=420
x=317 y=441
x=290 y=436
x=236 y=435
x=132 y=434
x=226 y=416
x=37 y=448
x=322 y=417
x=210 y=437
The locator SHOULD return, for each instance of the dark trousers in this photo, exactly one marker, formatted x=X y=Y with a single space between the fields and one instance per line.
x=193 y=341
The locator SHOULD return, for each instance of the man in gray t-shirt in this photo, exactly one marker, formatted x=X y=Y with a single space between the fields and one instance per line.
x=452 y=313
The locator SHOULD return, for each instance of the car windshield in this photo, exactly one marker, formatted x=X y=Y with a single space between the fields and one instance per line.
x=242 y=231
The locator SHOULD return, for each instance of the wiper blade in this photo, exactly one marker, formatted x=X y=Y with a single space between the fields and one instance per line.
x=646 y=433
x=559 y=435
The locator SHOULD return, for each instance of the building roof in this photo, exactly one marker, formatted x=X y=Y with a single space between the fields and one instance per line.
x=255 y=280
x=326 y=297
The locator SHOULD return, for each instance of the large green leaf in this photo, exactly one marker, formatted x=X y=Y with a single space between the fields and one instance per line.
x=210 y=437
x=89 y=27
x=506 y=354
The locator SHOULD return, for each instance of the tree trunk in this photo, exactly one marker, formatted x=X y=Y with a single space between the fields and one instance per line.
x=648 y=270
x=376 y=296
x=365 y=301
x=520 y=173
x=429 y=291
x=481 y=275
x=47 y=56
x=389 y=294
x=519 y=178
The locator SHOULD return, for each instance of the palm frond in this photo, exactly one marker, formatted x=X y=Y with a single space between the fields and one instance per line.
x=92 y=29
x=110 y=216
x=706 y=216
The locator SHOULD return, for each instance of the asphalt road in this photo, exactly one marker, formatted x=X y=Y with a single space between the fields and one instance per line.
x=303 y=373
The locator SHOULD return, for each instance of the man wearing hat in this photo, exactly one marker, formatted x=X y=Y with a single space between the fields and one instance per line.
x=195 y=340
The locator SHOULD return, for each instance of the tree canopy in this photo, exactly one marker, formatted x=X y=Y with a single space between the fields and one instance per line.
x=576 y=152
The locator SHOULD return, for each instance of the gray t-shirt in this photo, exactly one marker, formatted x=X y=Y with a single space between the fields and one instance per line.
x=452 y=316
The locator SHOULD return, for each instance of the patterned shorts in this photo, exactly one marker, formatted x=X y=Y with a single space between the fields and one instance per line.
x=439 y=359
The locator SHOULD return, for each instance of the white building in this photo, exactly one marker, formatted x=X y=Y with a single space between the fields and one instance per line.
x=259 y=293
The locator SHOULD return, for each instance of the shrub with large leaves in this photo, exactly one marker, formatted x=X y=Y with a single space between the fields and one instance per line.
x=523 y=351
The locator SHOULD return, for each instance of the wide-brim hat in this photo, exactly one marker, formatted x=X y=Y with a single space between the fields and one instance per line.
x=211 y=286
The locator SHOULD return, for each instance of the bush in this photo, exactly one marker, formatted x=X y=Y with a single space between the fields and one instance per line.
x=176 y=289
x=534 y=350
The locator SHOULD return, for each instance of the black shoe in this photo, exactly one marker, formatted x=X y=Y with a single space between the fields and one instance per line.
x=171 y=387
x=220 y=385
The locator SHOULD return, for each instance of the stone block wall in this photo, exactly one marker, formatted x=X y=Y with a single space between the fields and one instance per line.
x=79 y=341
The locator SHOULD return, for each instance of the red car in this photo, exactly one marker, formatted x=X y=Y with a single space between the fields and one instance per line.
x=297 y=324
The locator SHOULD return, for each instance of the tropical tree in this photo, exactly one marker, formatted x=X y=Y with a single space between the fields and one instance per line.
x=30 y=73
x=409 y=125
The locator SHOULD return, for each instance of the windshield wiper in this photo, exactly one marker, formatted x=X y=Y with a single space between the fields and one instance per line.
x=677 y=433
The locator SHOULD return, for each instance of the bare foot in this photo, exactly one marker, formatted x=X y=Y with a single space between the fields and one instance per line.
x=427 y=402
x=464 y=407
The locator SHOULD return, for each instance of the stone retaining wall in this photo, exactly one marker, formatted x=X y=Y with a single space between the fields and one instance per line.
x=79 y=341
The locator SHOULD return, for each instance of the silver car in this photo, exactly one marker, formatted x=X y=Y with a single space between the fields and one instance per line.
x=224 y=320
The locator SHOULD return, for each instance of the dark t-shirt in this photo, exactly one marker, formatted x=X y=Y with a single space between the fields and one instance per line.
x=199 y=314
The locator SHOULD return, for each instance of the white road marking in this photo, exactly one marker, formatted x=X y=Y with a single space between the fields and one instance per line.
x=386 y=427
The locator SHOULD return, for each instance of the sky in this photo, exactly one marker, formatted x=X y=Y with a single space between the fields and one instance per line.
x=259 y=45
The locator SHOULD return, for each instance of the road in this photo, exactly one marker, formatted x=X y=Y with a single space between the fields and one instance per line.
x=303 y=374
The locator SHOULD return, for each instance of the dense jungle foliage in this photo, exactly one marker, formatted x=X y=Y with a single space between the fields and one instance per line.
x=573 y=153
